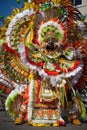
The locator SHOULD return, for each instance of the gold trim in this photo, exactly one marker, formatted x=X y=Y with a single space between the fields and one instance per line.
x=18 y=63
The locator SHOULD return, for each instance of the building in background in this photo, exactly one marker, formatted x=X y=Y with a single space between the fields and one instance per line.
x=81 y=5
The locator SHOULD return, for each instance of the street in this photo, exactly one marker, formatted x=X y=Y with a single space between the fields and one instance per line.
x=7 y=123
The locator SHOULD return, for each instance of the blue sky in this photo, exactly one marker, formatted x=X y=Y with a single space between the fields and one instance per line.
x=6 y=7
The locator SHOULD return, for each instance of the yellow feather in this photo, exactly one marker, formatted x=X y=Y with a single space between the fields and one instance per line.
x=15 y=11
x=62 y=2
x=56 y=1
x=28 y=5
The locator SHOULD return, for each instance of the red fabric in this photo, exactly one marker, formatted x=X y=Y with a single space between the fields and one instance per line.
x=51 y=72
x=30 y=61
x=11 y=50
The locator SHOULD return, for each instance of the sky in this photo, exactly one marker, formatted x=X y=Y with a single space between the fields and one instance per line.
x=6 y=7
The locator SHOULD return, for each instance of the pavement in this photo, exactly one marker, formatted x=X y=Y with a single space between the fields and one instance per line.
x=6 y=123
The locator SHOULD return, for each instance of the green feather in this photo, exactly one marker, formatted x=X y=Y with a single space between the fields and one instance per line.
x=9 y=104
x=83 y=114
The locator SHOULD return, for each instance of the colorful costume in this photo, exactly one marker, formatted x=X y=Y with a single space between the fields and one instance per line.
x=42 y=59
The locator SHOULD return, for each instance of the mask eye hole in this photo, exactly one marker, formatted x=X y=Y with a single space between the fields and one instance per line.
x=51 y=45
